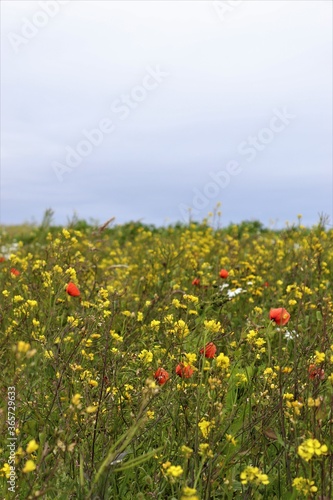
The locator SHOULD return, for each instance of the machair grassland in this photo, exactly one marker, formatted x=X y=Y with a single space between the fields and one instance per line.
x=183 y=362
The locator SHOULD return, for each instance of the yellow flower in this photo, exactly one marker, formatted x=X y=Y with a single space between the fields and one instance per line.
x=66 y=234
x=18 y=298
x=23 y=346
x=177 y=304
x=304 y=486
x=189 y=494
x=191 y=298
x=72 y=274
x=241 y=378
x=128 y=314
x=313 y=402
x=259 y=342
x=310 y=448
x=32 y=303
x=93 y=383
x=295 y=406
x=91 y=409
x=32 y=446
x=319 y=357
x=253 y=475
x=190 y=358
x=180 y=328
x=222 y=361
x=174 y=471
x=213 y=326
x=5 y=470
x=76 y=399
x=29 y=466
x=146 y=356
x=231 y=439
x=155 y=325
x=115 y=336
x=186 y=451
x=205 y=426
x=205 y=451
x=72 y=321
x=251 y=336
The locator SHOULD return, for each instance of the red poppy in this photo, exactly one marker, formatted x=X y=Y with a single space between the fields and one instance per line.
x=279 y=315
x=161 y=376
x=72 y=290
x=184 y=371
x=209 y=350
x=15 y=271
x=2 y=259
x=266 y=284
x=316 y=372
x=223 y=273
x=196 y=282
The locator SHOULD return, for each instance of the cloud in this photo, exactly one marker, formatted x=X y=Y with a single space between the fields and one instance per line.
x=225 y=78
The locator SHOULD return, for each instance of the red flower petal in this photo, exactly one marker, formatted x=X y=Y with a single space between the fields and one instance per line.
x=72 y=290
x=223 y=273
x=279 y=315
x=184 y=371
x=161 y=376
x=209 y=350
x=316 y=372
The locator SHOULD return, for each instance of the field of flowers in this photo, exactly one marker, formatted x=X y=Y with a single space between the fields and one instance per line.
x=184 y=363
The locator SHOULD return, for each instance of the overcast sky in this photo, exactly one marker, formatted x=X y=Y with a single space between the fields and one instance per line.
x=143 y=110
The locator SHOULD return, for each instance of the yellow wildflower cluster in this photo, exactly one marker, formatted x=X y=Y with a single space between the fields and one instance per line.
x=222 y=361
x=253 y=475
x=189 y=494
x=305 y=486
x=311 y=448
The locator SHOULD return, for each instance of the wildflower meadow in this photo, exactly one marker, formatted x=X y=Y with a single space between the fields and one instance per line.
x=189 y=362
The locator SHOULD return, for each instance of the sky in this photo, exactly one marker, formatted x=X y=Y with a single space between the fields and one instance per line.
x=158 y=110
